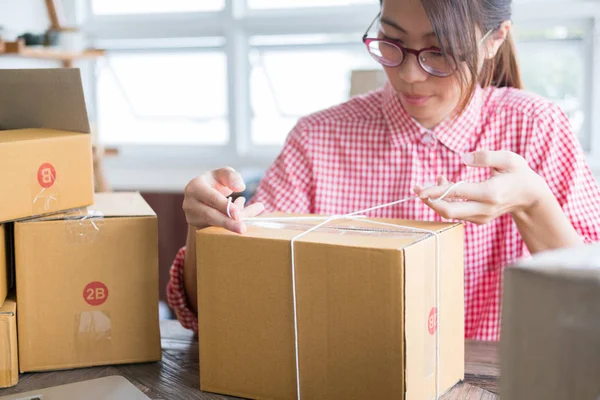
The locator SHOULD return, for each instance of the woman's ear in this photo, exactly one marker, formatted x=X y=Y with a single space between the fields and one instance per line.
x=497 y=38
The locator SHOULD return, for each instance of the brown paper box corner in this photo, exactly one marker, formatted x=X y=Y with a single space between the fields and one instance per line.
x=364 y=307
x=88 y=294
x=45 y=145
x=9 y=362
x=550 y=342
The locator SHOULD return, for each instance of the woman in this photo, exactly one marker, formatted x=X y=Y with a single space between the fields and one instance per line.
x=452 y=110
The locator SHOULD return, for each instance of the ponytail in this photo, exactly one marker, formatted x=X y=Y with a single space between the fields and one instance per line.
x=503 y=70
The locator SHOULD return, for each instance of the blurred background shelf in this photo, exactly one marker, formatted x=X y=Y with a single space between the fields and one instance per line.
x=67 y=58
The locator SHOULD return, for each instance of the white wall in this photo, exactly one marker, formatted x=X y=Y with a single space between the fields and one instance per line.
x=23 y=15
x=18 y=17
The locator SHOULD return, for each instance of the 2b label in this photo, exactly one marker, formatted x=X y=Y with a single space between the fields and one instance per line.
x=46 y=175
x=95 y=293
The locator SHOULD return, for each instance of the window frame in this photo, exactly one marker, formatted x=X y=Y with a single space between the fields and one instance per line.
x=169 y=168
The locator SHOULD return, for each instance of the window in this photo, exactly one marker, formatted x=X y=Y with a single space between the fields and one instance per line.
x=224 y=81
x=120 y=7
x=264 y=4
x=553 y=63
x=288 y=83
x=163 y=98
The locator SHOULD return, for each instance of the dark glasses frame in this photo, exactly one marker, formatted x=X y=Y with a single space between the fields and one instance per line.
x=405 y=51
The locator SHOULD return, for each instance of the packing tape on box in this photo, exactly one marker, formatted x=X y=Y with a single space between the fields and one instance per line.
x=433 y=320
x=93 y=336
x=83 y=226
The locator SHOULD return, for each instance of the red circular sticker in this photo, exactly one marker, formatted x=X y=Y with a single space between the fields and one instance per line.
x=95 y=293
x=432 y=321
x=46 y=175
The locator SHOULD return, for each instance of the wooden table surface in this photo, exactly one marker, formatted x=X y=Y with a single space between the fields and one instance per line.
x=176 y=376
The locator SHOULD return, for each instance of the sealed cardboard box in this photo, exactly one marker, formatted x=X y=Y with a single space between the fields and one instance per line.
x=365 y=310
x=9 y=363
x=550 y=343
x=4 y=265
x=45 y=145
x=88 y=286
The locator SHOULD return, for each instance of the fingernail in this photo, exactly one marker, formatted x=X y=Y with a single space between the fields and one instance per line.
x=468 y=158
x=242 y=228
x=239 y=184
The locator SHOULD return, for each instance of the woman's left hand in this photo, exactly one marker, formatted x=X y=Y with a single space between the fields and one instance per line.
x=513 y=187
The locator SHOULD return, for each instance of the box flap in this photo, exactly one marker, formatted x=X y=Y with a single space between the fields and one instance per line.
x=121 y=204
x=583 y=261
x=42 y=98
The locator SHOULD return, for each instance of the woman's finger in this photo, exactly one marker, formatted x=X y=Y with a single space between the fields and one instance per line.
x=463 y=210
x=252 y=210
x=240 y=202
x=207 y=215
x=465 y=191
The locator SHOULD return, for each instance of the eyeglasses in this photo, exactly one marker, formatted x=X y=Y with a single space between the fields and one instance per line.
x=391 y=53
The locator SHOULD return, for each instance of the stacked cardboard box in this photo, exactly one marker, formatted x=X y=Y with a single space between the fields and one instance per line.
x=366 y=310
x=85 y=267
x=9 y=370
x=550 y=342
x=5 y=271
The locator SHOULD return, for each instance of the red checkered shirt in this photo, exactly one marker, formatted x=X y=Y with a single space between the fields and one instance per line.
x=369 y=151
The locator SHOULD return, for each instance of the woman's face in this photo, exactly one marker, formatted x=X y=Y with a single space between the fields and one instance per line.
x=427 y=98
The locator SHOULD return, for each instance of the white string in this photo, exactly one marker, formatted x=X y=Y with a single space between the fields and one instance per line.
x=351 y=216
x=228 y=207
x=447 y=192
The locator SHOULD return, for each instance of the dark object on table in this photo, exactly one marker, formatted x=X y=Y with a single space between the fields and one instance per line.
x=33 y=39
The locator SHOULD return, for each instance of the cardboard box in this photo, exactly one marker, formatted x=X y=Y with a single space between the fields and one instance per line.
x=365 y=310
x=45 y=146
x=9 y=361
x=88 y=288
x=550 y=342
x=4 y=265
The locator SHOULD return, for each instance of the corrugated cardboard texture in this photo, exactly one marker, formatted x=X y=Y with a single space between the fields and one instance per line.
x=550 y=343
x=9 y=362
x=4 y=276
x=42 y=98
x=352 y=307
x=66 y=318
x=28 y=187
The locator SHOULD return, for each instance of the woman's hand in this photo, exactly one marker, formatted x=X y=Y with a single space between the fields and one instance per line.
x=205 y=202
x=513 y=188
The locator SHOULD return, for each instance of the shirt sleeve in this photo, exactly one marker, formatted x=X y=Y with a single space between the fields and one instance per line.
x=287 y=184
x=176 y=297
x=286 y=187
x=556 y=154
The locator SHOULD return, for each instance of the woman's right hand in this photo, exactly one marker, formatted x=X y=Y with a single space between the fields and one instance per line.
x=205 y=201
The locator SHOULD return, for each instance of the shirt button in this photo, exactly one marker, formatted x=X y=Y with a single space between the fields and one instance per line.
x=428 y=139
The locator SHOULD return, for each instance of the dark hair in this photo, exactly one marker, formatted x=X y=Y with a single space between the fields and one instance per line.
x=455 y=23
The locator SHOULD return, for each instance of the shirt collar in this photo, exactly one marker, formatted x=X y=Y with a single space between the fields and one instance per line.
x=456 y=133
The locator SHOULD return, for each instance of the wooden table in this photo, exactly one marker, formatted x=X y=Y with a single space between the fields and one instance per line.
x=176 y=376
